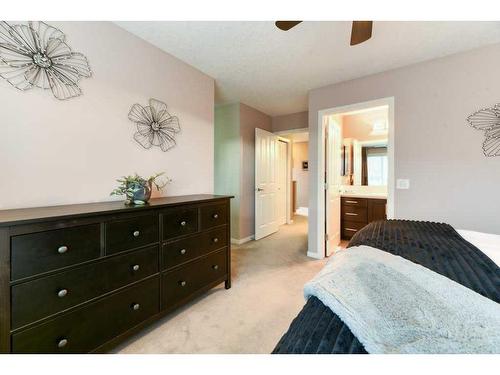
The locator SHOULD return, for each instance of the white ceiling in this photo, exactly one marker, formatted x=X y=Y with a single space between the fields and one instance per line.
x=272 y=70
x=359 y=124
x=367 y=117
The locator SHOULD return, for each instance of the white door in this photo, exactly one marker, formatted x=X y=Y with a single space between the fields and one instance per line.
x=282 y=181
x=266 y=183
x=332 y=184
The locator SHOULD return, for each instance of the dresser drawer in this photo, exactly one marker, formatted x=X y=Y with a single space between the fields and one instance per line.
x=36 y=253
x=181 y=283
x=181 y=251
x=213 y=215
x=91 y=326
x=353 y=213
x=358 y=202
x=179 y=222
x=37 y=299
x=350 y=228
x=131 y=233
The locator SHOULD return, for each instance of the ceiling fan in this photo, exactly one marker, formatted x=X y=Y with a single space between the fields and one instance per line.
x=361 y=30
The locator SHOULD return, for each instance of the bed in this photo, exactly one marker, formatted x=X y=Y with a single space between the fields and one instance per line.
x=469 y=258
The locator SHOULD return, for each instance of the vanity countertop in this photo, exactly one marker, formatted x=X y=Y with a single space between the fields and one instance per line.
x=364 y=195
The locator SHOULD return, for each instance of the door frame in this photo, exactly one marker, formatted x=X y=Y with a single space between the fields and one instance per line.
x=289 y=212
x=291 y=131
x=290 y=166
x=320 y=177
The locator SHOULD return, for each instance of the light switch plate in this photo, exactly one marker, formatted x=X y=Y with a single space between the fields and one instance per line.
x=402 y=183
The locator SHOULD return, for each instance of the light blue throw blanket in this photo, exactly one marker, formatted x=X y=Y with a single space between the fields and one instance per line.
x=393 y=305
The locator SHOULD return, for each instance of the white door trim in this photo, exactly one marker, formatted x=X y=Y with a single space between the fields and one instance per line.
x=289 y=212
x=291 y=131
x=319 y=229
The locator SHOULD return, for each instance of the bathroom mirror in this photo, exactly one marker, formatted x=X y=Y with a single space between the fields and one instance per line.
x=374 y=165
x=365 y=162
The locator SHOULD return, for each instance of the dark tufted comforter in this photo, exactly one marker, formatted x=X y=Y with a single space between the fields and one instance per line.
x=436 y=246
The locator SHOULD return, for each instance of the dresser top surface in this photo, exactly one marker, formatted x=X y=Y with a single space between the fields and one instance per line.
x=37 y=214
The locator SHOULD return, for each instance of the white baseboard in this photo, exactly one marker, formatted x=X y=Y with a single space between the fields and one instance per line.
x=314 y=255
x=302 y=211
x=236 y=241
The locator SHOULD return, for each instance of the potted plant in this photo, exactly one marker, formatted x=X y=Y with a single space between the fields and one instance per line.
x=138 y=189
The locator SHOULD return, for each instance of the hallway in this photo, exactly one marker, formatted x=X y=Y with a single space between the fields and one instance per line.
x=266 y=294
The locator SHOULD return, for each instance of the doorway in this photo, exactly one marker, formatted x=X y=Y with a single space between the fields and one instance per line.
x=333 y=173
x=282 y=181
x=344 y=157
x=272 y=191
x=298 y=168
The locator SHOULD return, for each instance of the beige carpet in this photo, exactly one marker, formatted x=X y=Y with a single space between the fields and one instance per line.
x=266 y=294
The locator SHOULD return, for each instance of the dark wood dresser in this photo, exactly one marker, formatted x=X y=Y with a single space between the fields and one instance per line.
x=82 y=278
x=358 y=212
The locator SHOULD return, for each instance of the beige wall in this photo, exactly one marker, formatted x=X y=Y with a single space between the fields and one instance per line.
x=300 y=154
x=250 y=119
x=450 y=178
x=58 y=152
x=292 y=121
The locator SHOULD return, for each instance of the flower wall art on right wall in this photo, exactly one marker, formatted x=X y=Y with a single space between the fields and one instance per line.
x=488 y=120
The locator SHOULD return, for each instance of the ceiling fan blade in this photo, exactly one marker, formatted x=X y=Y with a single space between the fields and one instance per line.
x=286 y=25
x=361 y=31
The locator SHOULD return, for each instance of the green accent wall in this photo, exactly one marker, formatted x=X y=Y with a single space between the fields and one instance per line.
x=228 y=159
x=235 y=162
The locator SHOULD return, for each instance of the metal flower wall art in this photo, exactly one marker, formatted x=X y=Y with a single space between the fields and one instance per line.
x=155 y=126
x=36 y=55
x=488 y=120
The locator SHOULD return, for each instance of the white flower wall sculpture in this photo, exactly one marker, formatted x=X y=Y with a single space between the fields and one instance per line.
x=488 y=120
x=155 y=126
x=36 y=55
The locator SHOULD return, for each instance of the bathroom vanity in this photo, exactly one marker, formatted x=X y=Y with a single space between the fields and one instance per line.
x=359 y=210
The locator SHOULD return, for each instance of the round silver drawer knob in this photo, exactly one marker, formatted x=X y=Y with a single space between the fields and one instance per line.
x=136 y=233
x=62 y=343
x=62 y=249
x=215 y=240
x=215 y=267
x=62 y=293
x=135 y=267
x=183 y=223
x=136 y=306
x=183 y=251
x=215 y=216
x=183 y=283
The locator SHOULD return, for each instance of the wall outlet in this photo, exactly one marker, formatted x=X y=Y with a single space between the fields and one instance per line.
x=402 y=183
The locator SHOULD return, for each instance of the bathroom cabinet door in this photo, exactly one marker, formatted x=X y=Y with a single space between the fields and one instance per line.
x=377 y=209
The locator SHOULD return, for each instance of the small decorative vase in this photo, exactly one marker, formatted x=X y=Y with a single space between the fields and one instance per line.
x=141 y=193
